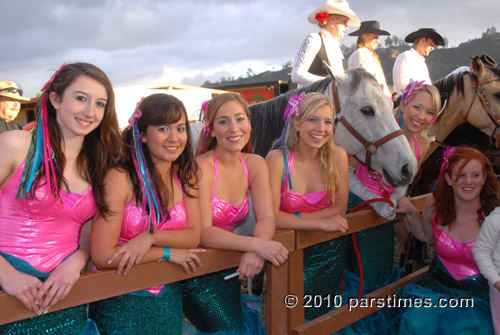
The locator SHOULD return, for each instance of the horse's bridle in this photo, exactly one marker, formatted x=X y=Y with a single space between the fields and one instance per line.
x=371 y=147
x=492 y=114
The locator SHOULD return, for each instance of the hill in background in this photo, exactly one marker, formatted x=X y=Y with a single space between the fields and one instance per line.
x=440 y=62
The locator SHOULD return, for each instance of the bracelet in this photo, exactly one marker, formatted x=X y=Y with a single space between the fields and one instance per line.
x=166 y=254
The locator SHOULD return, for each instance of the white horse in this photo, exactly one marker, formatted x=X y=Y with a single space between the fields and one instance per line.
x=366 y=128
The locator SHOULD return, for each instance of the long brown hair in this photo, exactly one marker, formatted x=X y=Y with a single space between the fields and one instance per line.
x=101 y=149
x=161 y=109
x=444 y=206
x=206 y=142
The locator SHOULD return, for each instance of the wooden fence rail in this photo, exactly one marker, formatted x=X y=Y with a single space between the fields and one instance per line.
x=280 y=281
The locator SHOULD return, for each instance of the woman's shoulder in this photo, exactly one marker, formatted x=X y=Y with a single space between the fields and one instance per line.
x=253 y=160
x=340 y=153
x=14 y=145
x=274 y=154
x=205 y=158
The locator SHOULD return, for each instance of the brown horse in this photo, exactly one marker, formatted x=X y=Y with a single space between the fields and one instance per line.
x=473 y=97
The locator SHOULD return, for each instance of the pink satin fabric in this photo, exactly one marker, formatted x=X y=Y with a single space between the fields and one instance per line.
x=455 y=256
x=366 y=179
x=224 y=214
x=136 y=220
x=293 y=202
x=42 y=232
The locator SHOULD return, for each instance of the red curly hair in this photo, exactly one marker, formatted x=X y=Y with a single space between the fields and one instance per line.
x=444 y=206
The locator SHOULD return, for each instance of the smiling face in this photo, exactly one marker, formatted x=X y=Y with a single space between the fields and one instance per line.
x=81 y=108
x=231 y=126
x=9 y=108
x=467 y=182
x=418 y=113
x=166 y=142
x=370 y=40
x=316 y=128
x=337 y=25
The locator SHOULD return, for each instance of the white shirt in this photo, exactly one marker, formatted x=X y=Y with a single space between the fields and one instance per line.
x=364 y=58
x=308 y=51
x=486 y=249
x=409 y=65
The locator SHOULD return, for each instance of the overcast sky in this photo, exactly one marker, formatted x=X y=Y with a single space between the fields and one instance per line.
x=190 y=41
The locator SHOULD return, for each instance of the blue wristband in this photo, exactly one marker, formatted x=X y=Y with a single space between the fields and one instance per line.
x=298 y=215
x=166 y=254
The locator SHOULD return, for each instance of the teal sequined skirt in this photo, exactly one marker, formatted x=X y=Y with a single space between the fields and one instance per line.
x=140 y=312
x=213 y=304
x=65 y=322
x=376 y=248
x=472 y=317
x=323 y=266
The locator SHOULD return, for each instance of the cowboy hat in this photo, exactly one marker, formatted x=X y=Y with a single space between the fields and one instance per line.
x=369 y=27
x=9 y=89
x=339 y=7
x=427 y=33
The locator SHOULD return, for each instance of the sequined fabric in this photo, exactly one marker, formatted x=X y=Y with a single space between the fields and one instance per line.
x=437 y=285
x=213 y=304
x=376 y=247
x=66 y=322
x=439 y=280
x=323 y=266
x=140 y=314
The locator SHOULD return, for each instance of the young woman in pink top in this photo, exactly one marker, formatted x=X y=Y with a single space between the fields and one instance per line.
x=154 y=207
x=466 y=193
x=51 y=184
x=228 y=171
x=309 y=185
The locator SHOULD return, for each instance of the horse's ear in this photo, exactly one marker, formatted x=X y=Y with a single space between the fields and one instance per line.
x=477 y=66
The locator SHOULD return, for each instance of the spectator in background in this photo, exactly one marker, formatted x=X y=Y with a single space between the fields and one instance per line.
x=411 y=63
x=10 y=104
x=365 y=56
x=332 y=17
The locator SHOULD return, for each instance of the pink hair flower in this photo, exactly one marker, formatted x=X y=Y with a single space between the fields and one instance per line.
x=410 y=89
x=136 y=115
x=295 y=103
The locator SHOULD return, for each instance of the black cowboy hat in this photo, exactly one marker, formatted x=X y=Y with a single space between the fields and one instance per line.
x=427 y=33
x=369 y=27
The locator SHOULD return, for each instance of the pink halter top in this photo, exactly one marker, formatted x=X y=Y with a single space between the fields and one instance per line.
x=366 y=179
x=224 y=214
x=41 y=231
x=292 y=202
x=136 y=220
x=455 y=256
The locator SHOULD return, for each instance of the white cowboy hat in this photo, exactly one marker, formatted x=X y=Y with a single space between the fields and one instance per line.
x=340 y=7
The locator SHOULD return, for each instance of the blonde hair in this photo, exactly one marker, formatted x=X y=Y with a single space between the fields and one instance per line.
x=207 y=142
x=328 y=151
x=436 y=106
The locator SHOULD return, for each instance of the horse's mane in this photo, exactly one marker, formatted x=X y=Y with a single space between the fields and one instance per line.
x=267 y=117
x=447 y=84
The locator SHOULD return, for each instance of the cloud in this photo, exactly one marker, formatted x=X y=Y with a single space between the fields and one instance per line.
x=136 y=41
